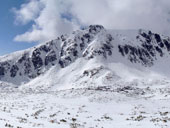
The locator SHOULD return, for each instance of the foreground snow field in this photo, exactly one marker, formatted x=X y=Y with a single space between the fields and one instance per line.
x=123 y=106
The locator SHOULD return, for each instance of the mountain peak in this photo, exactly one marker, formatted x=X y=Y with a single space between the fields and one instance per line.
x=141 y=48
x=96 y=27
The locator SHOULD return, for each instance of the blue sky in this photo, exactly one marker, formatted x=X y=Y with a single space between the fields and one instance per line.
x=8 y=30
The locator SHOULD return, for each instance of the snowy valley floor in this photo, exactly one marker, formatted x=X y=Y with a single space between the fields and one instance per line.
x=102 y=107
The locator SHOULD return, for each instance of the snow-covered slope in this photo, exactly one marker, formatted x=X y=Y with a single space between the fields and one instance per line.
x=86 y=53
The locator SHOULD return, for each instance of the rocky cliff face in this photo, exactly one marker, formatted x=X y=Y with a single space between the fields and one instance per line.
x=152 y=46
x=142 y=47
x=30 y=63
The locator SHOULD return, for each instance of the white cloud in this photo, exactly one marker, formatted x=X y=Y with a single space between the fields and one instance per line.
x=47 y=25
x=124 y=14
x=54 y=17
x=28 y=11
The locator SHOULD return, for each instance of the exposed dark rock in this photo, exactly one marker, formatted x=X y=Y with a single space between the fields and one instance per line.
x=95 y=28
x=159 y=51
x=27 y=65
x=158 y=38
x=23 y=58
x=36 y=59
x=121 y=50
x=4 y=67
x=167 y=44
x=51 y=57
x=14 y=70
x=2 y=71
x=147 y=36
x=82 y=45
x=61 y=63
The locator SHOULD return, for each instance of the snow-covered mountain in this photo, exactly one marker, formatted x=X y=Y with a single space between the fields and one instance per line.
x=89 y=52
x=94 y=77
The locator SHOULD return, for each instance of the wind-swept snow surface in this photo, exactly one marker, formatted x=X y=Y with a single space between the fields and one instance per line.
x=126 y=105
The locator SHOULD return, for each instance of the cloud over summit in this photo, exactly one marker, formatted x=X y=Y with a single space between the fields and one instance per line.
x=54 y=17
